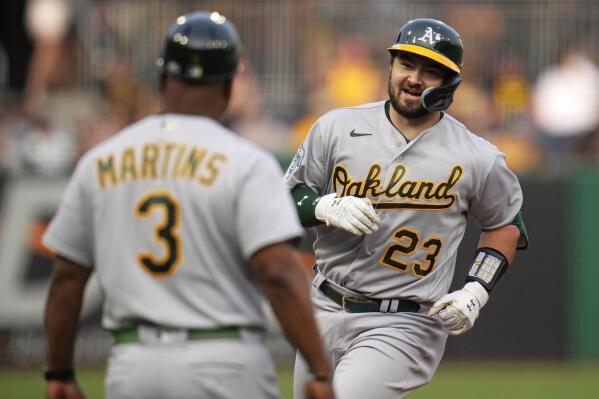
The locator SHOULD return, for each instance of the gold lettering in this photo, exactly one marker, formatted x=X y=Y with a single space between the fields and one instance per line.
x=150 y=158
x=428 y=188
x=354 y=188
x=372 y=182
x=180 y=152
x=128 y=165
x=407 y=189
x=188 y=170
x=340 y=177
x=442 y=191
x=106 y=172
x=396 y=177
x=166 y=159
x=212 y=168
x=428 y=195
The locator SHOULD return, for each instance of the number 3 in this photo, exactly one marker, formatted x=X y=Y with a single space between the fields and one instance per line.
x=406 y=245
x=165 y=233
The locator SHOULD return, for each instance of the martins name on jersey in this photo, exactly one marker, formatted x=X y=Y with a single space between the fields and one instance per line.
x=159 y=161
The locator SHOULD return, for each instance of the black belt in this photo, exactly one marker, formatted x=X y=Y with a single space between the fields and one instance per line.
x=365 y=305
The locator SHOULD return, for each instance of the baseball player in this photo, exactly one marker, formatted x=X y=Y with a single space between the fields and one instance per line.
x=183 y=222
x=389 y=186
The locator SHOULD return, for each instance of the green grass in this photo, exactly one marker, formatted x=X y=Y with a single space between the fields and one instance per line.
x=523 y=380
x=453 y=380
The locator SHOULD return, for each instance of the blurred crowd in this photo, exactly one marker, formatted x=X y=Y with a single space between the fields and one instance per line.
x=73 y=73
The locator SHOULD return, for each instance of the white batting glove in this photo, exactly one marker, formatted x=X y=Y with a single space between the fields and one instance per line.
x=458 y=310
x=352 y=214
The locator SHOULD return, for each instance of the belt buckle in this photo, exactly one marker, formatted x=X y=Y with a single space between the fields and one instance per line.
x=343 y=303
x=170 y=336
x=346 y=301
x=163 y=335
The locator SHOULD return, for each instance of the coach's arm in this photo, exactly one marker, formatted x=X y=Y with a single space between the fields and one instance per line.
x=63 y=308
x=285 y=284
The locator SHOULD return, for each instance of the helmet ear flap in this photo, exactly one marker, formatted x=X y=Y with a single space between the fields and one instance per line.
x=440 y=98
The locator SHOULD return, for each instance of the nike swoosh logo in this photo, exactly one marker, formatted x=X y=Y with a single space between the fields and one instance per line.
x=354 y=134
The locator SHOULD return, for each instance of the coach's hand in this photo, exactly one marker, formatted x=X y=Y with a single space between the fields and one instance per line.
x=319 y=390
x=352 y=214
x=458 y=310
x=63 y=390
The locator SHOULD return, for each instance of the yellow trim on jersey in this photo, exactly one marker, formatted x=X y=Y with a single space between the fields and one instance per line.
x=428 y=53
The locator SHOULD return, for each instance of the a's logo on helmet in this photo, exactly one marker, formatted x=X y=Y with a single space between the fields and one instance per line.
x=430 y=36
x=173 y=68
x=195 y=69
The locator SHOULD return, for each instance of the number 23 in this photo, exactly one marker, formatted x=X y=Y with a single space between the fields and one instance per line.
x=406 y=243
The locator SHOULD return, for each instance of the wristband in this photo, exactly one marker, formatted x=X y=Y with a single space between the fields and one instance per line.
x=320 y=377
x=63 y=375
x=489 y=264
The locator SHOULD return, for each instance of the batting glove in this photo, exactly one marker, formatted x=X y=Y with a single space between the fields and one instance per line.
x=458 y=310
x=352 y=214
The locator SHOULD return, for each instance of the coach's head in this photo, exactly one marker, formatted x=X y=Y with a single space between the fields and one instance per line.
x=200 y=56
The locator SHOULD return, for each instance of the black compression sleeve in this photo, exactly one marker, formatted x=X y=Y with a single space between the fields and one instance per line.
x=305 y=201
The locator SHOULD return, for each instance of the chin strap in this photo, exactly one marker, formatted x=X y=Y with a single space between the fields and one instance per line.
x=440 y=98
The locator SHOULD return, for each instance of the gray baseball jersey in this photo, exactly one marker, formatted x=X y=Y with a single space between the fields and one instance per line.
x=168 y=212
x=423 y=191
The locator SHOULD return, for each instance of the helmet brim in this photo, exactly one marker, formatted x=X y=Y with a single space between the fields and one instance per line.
x=428 y=53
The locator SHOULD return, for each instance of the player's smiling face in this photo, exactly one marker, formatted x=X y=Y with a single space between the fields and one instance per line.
x=410 y=74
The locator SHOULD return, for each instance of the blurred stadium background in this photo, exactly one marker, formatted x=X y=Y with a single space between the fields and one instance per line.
x=73 y=72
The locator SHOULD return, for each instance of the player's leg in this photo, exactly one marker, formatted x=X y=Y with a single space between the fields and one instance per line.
x=389 y=362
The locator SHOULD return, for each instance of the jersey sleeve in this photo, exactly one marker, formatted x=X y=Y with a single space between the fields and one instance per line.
x=71 y=229
x=500 y=198
x=309 y=165
x=265 y=214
